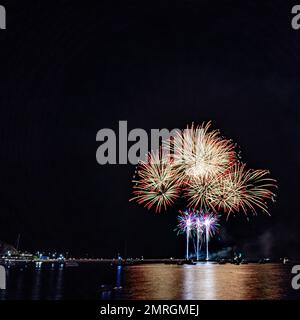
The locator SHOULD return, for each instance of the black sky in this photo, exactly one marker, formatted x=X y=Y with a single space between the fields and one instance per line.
x=68 y=70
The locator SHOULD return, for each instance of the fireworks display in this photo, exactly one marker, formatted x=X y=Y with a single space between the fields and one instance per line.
x=201 y=167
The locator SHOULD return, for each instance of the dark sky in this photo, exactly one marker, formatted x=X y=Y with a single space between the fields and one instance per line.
x=67 y=71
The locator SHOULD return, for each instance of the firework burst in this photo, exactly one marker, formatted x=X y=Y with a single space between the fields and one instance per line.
x=201 y=153
x=199 y=192
x=157 y=184
x=237 y=189
x=186 y=220
x=210 y=221
x=241 y=189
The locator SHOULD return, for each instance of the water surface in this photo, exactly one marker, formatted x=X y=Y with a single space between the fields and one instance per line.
x=152 y=281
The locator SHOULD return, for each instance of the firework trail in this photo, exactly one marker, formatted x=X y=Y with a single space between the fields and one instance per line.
x=197 y=223
x=186 y=224
x=211 y=224
x=199 y=227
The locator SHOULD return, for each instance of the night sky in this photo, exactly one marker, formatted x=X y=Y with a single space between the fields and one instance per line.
x=67 y=71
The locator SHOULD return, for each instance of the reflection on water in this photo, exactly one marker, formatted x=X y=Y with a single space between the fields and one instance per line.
x=204 y=281
x=33 y=284
x=119 y=277
x=199 y=281
x=209 y=282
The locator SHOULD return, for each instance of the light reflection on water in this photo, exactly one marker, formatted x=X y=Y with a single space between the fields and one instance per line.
x=199 y=280
x=204 y=281
x=209 y=282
